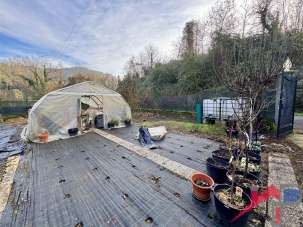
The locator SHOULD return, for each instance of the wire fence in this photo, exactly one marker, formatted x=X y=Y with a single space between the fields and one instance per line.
x=15 y=107
x=187 y=103
x=183 y=103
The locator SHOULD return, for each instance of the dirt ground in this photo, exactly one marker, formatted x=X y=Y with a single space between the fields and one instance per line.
x=296 y=157
x=294 y=152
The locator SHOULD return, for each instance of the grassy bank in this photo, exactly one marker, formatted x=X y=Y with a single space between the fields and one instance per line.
x=299 y=114
x=216 y=130
x=172 y=114
x=14 y=118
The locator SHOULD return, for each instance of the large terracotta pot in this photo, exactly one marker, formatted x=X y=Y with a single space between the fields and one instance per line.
x=202 y=193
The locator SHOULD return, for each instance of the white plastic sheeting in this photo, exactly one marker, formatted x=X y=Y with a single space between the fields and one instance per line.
x=156 y=133
x=59 y=110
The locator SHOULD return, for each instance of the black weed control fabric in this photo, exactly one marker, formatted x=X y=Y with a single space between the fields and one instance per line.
x=10 y=141
x=188 y=150
x=89 y=181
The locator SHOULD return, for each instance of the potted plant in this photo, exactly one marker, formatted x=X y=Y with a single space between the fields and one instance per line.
x=244 y=165
x=127 y=122
x=217 y=170
x=255 y=147
x=112 y=123
x=221 y=155
x=253 y=157
x=245 y=181
x=218 y=165
x=229 y=203
x=201 y=185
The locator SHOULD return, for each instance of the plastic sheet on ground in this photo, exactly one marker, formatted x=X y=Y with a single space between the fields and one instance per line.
x=157 y=133
x=93 y=181
x=10 y=143
x=145 y=138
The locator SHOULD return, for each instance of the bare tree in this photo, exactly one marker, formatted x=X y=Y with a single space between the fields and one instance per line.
x=249 y=66
x=134 y=67
x=190 y=43
x=149 y=57
x=222 y=17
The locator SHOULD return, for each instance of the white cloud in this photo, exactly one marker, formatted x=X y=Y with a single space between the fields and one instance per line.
x=101 y=34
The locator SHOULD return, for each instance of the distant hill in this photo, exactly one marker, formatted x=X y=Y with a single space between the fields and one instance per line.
x=19 y=81
x=79 y=74
x=73 y=71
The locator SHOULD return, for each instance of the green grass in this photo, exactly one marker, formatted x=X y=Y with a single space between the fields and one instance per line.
x=299 y=114
x=216 y=130
x=165 y=112
x=11 y=117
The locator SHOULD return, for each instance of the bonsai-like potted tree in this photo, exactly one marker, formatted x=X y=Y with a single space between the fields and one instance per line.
x=248 y=64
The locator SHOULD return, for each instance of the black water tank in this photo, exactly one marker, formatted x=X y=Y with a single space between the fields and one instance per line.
x=99 y=121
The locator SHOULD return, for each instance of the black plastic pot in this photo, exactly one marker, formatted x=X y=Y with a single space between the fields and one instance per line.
x=216 y=170
x=73 y=131
x=245 y=188
x=254 y=157
x=255 y=150
x=232 y=132
x=210 y=120
x=226 y=213
x=99 y=121
x=255 y=173
x=221 y=156
x=127 y=122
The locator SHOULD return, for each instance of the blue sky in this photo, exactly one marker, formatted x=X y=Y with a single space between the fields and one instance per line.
x=98 y=34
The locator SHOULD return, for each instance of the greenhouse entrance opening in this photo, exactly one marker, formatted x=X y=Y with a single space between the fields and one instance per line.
x=91 y=112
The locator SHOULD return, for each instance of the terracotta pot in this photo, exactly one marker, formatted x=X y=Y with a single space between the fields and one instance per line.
x=43 y=137
x=200 y=192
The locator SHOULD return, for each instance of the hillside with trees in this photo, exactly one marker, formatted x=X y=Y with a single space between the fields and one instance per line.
x=243 y=40
x=29 y=79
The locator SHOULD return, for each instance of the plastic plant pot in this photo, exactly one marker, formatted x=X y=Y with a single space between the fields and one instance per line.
x=252 y=157
x=221 y=156
x=43 y=137
x=202 y=193
x=227 y=213
x=127 y=122
x=73 y=131
x=216 y=170
x=245 y=187
x=255 y=173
